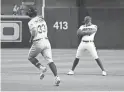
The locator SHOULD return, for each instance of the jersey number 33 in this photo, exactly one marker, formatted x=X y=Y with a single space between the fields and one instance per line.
x=41 y=28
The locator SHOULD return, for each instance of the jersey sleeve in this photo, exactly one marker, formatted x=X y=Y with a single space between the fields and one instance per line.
x=31 y=26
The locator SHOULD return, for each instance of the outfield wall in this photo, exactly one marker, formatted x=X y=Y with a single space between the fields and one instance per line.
x=62 y=26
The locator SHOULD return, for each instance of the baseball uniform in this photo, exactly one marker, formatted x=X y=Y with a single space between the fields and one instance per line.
x=87 y=42
x=41 y=44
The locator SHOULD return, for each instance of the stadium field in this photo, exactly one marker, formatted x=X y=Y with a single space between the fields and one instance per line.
x=18 y=74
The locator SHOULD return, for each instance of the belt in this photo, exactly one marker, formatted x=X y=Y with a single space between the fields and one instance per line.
x=40 y=39
x=87 y=41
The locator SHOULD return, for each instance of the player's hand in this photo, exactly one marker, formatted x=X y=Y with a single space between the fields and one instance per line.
x=30 y=41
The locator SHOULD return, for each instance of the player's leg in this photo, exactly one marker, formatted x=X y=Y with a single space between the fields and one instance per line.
x=92 y=50
x=47 y=54
x=77 y=58
x=76 y=61
x=33 y=52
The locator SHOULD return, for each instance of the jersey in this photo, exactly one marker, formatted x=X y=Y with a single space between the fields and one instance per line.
x=38 y=27
x=88 y=28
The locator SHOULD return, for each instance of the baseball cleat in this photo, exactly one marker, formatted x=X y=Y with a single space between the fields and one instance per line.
x=104 y=73
x=42 y=76
x=57 y=81
x=70 y=72
x=43 y=70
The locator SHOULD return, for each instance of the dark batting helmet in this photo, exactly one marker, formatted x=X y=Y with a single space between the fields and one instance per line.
x=32 y=12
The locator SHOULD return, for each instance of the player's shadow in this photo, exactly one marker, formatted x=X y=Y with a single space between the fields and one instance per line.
x=76 y=73
x=94 y=74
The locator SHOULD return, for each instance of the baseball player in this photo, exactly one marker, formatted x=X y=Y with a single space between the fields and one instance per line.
x=87 y=31
x=40 y=44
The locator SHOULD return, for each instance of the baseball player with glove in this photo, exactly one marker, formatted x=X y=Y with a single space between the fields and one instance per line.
x=40 y=44
x=87 y=32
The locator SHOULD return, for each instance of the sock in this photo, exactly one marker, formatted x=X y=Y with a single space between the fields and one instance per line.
x=38 y=65
x=75 y=63
x=35 y=62
x=53 y=68
x=100 y=64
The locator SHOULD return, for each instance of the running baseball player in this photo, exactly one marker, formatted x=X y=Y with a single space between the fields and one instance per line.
x=40 y=44
x=87 y=31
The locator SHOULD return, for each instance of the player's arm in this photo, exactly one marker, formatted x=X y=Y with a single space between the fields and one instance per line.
x=31 y=39
x=80 y=34
x=45 y=27
x=89 y=32
x=32 y=31
x=79 y=31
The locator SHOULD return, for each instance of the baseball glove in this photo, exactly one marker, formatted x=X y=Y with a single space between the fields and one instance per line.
x=80 y=33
